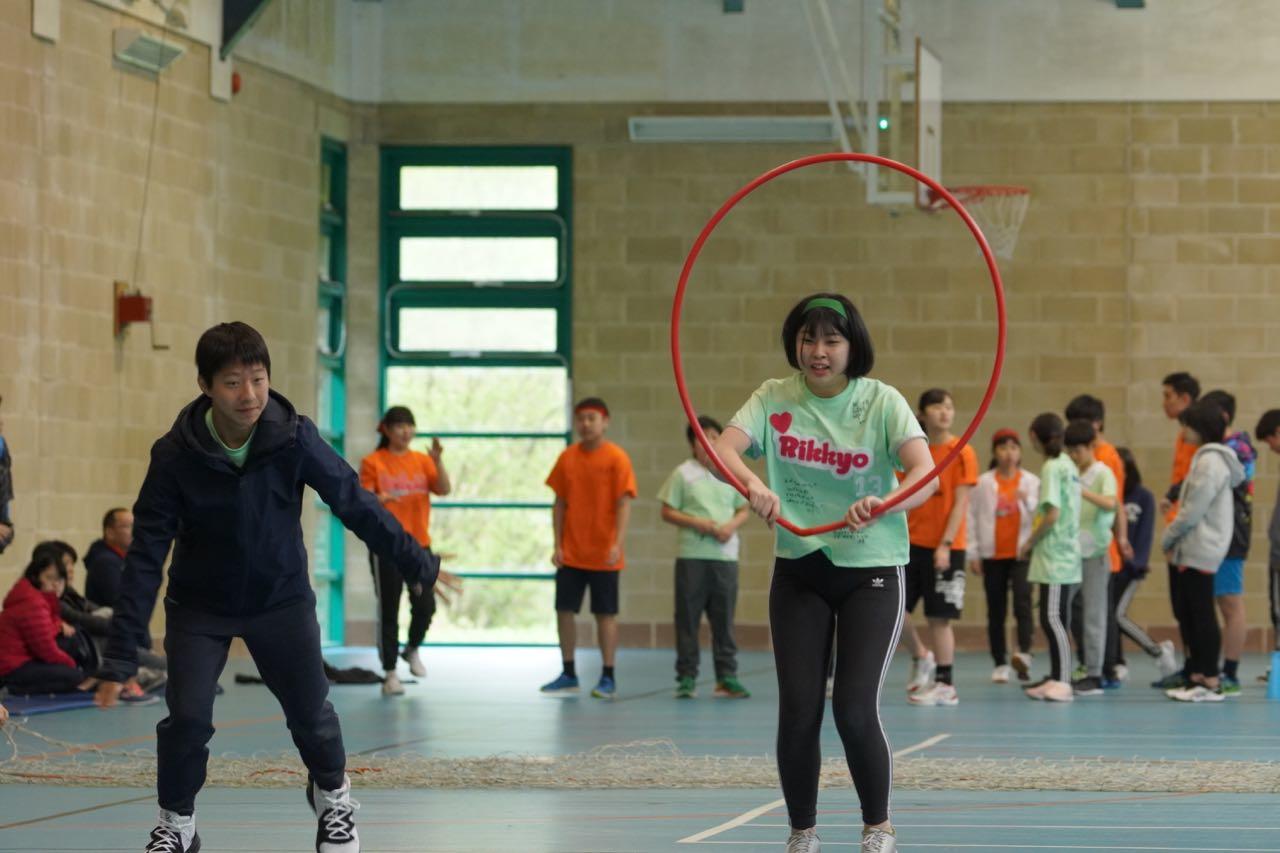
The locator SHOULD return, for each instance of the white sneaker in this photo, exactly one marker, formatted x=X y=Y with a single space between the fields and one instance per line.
x=935 y=694
x=1022 y=664
x=416 y=666
x=174 y=833
x=922 y=672
x=878 y=841
x=1122 y=672
x=803 y=841
x=391 y=685
x=336 y=831
x=1167 y=662
x=1000 y=675
x=1196 y=693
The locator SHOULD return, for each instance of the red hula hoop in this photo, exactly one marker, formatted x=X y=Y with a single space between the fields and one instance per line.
x=942 y=193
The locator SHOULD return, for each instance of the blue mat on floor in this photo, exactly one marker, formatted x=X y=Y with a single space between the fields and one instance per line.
x=29 y=706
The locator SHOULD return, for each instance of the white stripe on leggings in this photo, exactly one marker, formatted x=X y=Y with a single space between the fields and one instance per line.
x=884 y=672
x=1059 y=632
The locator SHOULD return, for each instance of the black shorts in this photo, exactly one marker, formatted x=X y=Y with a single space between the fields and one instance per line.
x=943 y=592
x=571 y=586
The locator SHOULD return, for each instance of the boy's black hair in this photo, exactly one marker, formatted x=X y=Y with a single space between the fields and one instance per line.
x=1132 y=476
x=110 y=518
x=591 y=403
x=227 y=344
x=1267 y=424
x=394 y=415
x=1223 y=400
x=1047 y=428
x=56 y=547
x=822 y=320
x=1183 y=383
x=41 y=559
x=932 y=397
x=1087 y=407
x=1079 y=432
x=706 y=423
x=1205 y=417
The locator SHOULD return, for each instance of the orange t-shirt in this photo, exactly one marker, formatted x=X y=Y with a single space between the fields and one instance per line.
x=1008 y=516
x=590 y=482
x=1182 y=453
x=409 y=477
x=927 y=523
x=1106 y=453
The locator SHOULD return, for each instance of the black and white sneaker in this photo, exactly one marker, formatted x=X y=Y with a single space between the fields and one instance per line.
x=336 y=810
x=174 y=833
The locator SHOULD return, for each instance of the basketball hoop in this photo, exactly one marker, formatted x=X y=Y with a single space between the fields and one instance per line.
x=999 y=210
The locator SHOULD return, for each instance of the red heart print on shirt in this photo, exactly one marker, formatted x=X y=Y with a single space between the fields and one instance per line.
x=781 y=421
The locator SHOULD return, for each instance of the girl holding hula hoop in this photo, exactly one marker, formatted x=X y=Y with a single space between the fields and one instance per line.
x=832 y=436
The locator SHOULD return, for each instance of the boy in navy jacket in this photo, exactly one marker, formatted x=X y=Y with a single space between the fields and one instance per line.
x=226 y=483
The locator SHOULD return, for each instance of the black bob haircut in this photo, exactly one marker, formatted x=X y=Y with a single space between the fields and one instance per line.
x=1079 y=433
x=822 y=320
x=933 y=397
x=1086 y=407
x=1267 y=424
x=1048 y=429
x=1183 y=383
x=1223 y=400
x=1206 y=418
x=41 y=559
x=706 y=423
x=227 y=344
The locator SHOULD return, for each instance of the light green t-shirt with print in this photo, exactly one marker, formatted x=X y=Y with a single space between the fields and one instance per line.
x=237 y=456
x=694 y=490
x=1095 y=523
x=823 y=454
x=1056 y=558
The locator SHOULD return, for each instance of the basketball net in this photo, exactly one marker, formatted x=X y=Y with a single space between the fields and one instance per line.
x=998 y=210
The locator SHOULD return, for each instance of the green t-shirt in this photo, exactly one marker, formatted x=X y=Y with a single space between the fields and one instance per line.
x=694 y=490
x=1056 y=557
x=1095 y=523
x=241 y=453
x=824 y=453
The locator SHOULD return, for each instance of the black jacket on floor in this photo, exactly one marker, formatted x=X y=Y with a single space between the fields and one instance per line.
x=238 y=531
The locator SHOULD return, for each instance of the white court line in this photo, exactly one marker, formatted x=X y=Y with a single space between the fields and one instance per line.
x=747 y=817
x=1073 y=826
x=989 y=846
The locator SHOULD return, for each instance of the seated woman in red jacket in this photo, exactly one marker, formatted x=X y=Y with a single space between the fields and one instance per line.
x=30 y=660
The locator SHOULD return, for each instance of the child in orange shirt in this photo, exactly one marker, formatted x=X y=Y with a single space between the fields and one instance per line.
x=935 y=572
x=1178 y=391
x=404 y=480
x=594 y=486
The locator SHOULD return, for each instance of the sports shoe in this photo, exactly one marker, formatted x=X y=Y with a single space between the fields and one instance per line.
x=878 y=840
x=1265 y=678
x=1021 y=662
x=336 y=832
x=1121 y=672
x=1196 y=693
x=1038 y=690
x=1173 y=681
x=605 y=688
x=935 y=694
x=133 y=694
x=1087 y=686
x=1058 y=691
x=1229 y=686
x=686 y=688
x=1167 y=660
x=1079 y=672
x=1112 y=684
x=803 y=841
x=416 y=666
x=174 y=833
x=922 y=672
x=1000 y=675
x=730 y=687
x=562 y=684
x=391 y=685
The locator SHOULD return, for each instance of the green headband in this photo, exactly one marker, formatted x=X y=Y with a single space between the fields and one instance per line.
x=826 y=302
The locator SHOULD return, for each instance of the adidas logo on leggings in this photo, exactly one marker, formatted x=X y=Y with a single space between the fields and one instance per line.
x=877 y=583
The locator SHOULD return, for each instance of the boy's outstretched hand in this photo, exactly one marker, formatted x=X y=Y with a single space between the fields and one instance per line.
x=447 y=584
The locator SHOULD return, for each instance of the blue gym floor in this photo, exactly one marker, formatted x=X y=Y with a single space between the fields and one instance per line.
x=480 y=702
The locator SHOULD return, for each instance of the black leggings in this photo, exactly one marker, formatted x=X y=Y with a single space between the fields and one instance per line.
x=1055 y=619
x=812 y=601
x=1199 y=621
x=1123 y=587
x=997 y=577
x=38 y=677
x=387 y=586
